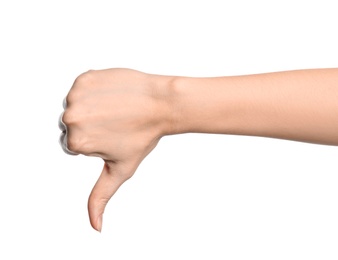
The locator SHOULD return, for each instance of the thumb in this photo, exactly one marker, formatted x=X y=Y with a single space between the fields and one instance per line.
x=111 y=178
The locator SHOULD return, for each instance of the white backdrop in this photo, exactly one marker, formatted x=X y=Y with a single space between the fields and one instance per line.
x=205 y=196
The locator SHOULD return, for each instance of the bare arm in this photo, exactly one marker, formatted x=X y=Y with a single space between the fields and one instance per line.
x=120 y=115
x=297 y=105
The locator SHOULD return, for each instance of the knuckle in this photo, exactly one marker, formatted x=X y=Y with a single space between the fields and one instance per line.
x=99 y=201
x=81 y=83
x=74 y=95
x=85 y=78
x=68 y=117
x=72 y=144
x=71 y=97
x=78 y=89
x=74 y=117
x=78 y=145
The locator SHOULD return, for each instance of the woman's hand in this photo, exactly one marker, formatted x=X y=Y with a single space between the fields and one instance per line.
x=118 y=115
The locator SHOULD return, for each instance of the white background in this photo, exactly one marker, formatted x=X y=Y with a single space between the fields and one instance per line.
x=195 y=196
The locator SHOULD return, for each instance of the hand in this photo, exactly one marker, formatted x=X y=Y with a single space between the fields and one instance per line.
x=118 y=115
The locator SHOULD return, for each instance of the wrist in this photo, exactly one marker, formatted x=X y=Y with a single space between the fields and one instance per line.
x=206 y=105
x=202 y=105
x=178 y=101
x=163 y=93
x=186 y=100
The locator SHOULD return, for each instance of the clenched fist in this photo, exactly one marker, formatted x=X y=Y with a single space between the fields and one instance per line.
x=118 y=115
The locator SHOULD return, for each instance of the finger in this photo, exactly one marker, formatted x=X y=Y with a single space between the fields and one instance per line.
x=62 y=125
x=63 y=143
x=63 y=136
x=64 y=103
x=111 y=178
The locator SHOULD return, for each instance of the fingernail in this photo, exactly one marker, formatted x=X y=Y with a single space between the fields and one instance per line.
x=99 y=223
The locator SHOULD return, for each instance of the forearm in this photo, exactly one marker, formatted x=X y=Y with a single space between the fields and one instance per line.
x=296 y=105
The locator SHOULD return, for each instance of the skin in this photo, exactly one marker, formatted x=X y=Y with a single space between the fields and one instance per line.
x=120 y=115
